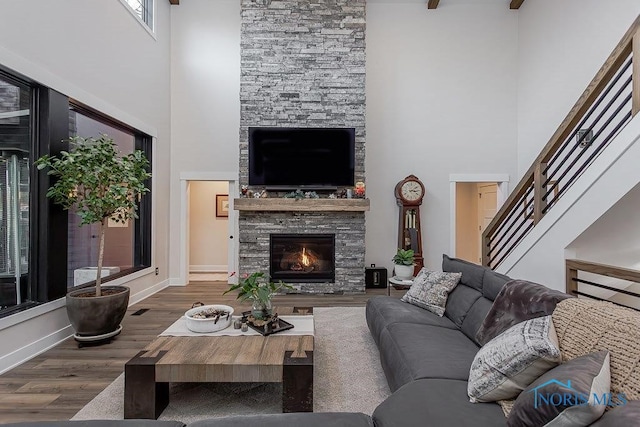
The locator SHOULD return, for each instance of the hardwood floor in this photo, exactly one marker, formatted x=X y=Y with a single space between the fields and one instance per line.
x=59 y=382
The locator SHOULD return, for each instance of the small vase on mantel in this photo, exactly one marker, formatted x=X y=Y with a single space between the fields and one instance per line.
x=262 y=310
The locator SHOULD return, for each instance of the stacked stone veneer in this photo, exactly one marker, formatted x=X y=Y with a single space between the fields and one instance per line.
x=303 y=65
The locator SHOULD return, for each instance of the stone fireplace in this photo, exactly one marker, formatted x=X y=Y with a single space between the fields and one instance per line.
x=303 y=65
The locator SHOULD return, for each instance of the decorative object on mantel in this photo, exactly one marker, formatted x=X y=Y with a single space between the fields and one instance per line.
x=359 y=190
x=409 y=194
x=299 y=194
x=260 y=194
x=244 y=191
x=256 y=288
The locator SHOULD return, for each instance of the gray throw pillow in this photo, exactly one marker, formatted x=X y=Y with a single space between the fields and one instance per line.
x=430 y=290
x=572 y=394
x=507 y=364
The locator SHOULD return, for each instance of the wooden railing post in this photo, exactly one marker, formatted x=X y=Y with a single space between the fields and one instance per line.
x=486 y=241
x=635 y=83
x=571 y=276
x=539 y=204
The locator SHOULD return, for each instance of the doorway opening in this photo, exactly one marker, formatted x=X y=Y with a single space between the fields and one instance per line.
x=475 y=199
x=208 y=231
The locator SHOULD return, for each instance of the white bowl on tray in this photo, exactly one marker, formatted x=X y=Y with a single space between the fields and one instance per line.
x=206 y=325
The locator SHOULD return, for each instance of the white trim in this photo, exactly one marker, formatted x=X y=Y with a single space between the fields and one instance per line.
x=146 y=293
x=133 y=13
x=502 y=179
x=209 y=176
x=43 y=76
x=214 y=268
x=176 y=281
x=33 y=349
x=31 y=313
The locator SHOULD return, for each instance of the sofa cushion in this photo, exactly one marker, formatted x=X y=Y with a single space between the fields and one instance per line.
x=492 y=284
x=626 y=415
x=507 y=364
x=472 y=274
x=311 y=419
x=519 y=300
x=586 y=377
x=459 y=302
x=409 y=351
x=382 y=311
x=475 y=317
x=436 y=402
x=430 y=290
x=97 y=423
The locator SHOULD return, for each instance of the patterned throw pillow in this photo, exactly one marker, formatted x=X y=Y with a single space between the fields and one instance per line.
x=430 y=290
x=507 y=364
x=572 y=394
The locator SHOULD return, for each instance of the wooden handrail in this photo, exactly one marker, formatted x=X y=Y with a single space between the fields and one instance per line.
x=622 y=273
x=536 y=174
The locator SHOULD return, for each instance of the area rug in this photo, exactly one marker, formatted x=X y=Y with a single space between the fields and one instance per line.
x=347 y=378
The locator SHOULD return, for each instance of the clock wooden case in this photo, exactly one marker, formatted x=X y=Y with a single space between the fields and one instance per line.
x=409 y=195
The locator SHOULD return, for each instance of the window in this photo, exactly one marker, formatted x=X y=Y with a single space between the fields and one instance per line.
x=123 y=248
x=41 y=244
x=141 y=9
x=15 y=151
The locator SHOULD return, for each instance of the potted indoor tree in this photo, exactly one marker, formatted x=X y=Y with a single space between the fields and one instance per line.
x=404 y=263
x=257 y=289
x=101 y=184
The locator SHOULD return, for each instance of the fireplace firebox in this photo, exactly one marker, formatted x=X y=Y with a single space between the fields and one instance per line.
x=300 y=258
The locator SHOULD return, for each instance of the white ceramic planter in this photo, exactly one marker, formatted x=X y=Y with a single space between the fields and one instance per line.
x=404 y=272
x=208 y=325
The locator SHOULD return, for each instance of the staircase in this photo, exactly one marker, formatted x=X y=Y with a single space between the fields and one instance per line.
x=589 y=163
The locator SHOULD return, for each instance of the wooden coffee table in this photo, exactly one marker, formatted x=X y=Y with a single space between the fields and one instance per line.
x=275 y=358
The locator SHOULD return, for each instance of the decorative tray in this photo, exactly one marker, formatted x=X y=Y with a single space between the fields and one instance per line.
x=272 y=327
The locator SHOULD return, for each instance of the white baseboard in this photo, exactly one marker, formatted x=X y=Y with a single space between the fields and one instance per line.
x=221 y=268
x=33 y=349
x=176 y=281
x=134 y=299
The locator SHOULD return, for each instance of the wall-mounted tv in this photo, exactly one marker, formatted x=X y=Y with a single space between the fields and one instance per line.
x=312 y=158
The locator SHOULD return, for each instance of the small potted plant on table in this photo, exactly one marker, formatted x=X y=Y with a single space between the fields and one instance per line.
x=404 y=263
x=257 y=289
x=101 y=184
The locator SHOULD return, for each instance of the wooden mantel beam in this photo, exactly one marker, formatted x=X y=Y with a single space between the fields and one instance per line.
x=176 y=2
x=433 y=4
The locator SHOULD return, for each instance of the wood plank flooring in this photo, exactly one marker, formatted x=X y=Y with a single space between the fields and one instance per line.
x=58 y=383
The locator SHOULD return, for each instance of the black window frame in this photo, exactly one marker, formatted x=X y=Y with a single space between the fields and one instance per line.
x=48 y=222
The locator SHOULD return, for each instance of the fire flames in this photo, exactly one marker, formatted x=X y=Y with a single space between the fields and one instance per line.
x=304 y=258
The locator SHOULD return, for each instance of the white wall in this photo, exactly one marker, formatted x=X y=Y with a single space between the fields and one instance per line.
x=441 y=99
x=97 y=53
x=205 y=96
x=208 y=234
x=561 y=46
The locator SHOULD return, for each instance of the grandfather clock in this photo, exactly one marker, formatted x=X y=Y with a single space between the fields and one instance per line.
x=409 y=194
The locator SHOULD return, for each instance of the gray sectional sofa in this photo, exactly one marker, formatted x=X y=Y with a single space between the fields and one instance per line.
x=426 y=359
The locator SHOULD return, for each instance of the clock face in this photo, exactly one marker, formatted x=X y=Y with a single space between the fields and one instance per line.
x=411 y=191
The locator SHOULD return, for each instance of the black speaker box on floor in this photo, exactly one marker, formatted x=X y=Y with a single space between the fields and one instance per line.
x=375 y=277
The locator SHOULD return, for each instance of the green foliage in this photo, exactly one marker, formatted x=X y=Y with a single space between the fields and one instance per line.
x=95 y=179
x=255 y=287
x=99 y=182
x=404 y=257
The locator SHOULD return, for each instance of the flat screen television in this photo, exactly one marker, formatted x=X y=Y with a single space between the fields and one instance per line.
x=291 y=158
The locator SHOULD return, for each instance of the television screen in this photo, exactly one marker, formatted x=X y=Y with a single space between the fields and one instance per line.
x=301 y=157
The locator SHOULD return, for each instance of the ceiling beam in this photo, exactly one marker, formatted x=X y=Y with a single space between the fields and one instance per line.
x=176 y=2
x=515 y=4
x=432 y=4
